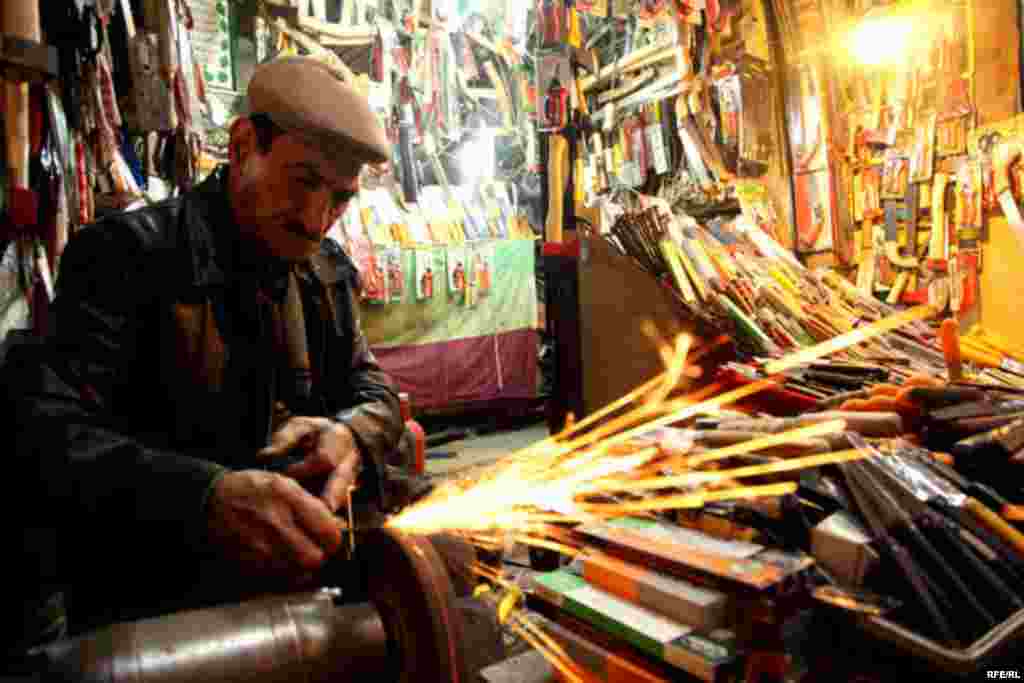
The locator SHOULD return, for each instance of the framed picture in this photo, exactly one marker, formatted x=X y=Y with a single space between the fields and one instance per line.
x=922 y=153
x=895 y=174
x=805 y=121
x=555 y=94
x=814 y=215
x=951 y=136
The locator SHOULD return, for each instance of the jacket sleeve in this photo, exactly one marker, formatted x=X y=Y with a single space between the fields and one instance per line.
x=367 y=400
x=72 y=442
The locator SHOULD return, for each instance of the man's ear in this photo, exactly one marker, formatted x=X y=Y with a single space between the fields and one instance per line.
x=242 y=141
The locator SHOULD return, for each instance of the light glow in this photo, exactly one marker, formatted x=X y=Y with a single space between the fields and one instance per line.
x=883 y=41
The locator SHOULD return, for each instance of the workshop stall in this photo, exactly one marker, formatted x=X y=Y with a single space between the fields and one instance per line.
x=774 y=245
x=763 y=218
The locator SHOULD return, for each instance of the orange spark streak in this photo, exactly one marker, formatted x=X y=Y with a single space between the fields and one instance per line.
x=561 y=548
x=767 y=441
x=543 y=637
x=693 y=409
x=675 y=369
x=844 y=341
x=566 y=668
x=737 y=473
x=690 y=500
x=640 y=416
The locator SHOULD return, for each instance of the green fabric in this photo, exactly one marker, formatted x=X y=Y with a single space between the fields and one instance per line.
x=511 y=303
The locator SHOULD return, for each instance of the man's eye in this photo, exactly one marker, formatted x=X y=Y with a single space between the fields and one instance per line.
x=340 y=197
x=311 y=183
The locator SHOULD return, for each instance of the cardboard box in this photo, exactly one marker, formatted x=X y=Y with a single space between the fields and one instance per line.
x=675 y=598
x=708 y=656
x=691 y=554
x=843 y=547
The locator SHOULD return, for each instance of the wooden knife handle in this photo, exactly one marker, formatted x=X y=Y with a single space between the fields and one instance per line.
x=558 y=162
x=949 y=333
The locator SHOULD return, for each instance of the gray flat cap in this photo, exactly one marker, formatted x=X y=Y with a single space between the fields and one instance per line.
x=307 y=98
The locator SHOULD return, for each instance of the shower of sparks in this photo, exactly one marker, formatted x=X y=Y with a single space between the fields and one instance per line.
x=605 y=466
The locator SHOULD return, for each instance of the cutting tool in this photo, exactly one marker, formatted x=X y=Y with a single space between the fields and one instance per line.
x=879 y=522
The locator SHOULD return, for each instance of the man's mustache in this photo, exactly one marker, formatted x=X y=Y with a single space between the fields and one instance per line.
x=299 y=230
x=289 y=224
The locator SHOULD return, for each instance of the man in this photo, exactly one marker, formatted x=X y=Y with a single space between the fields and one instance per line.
x=195 y=343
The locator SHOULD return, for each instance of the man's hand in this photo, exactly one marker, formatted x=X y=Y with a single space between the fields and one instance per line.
x=330 y=451
x=271 y=524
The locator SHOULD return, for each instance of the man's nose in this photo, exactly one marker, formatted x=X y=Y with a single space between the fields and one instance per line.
x=317 y=214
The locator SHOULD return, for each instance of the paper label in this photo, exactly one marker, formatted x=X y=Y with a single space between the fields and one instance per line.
x=695 y=539
x=656 y=143
x=608 y=123
x=641 y=620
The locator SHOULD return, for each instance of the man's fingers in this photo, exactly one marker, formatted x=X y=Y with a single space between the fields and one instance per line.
x=336 y=491
x=297 y=431
x=315 y=465
x=288 y=439
x=313 y=517
x=304 y=551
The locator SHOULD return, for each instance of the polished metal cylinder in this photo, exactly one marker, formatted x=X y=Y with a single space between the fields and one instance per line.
x=282 y=639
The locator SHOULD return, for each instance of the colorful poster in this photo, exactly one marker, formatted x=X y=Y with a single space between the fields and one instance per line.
x=482 y=268
x=375 y=282
x=554 y=90
x=756 y=205
x=428 y=275
x=458 y=278
x=394 y=274
x=813 y=212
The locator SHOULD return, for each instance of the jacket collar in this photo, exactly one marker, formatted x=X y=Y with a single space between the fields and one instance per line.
x=219 y=253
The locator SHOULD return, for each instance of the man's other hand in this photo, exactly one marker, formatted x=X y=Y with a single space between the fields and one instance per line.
x=330 y=450
x=271 y=524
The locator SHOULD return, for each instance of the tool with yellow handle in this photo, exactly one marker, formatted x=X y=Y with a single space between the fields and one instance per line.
x=558 y=174
x=995 y=342
x=938 y=245
x=996 y=524
x=504 y=102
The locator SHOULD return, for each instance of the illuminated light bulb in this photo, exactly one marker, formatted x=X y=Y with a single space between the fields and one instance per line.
x=884 y=41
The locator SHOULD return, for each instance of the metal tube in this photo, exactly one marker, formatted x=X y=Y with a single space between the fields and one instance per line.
x=287 y=638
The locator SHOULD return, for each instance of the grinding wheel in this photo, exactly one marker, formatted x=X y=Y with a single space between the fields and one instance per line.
x=410 y=587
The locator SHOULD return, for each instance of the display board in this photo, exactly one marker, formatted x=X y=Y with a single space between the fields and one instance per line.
x=463 y=331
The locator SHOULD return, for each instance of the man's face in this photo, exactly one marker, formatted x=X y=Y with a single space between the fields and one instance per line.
x=287 y=198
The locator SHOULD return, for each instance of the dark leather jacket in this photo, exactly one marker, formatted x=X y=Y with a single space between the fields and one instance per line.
x=156 y=379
